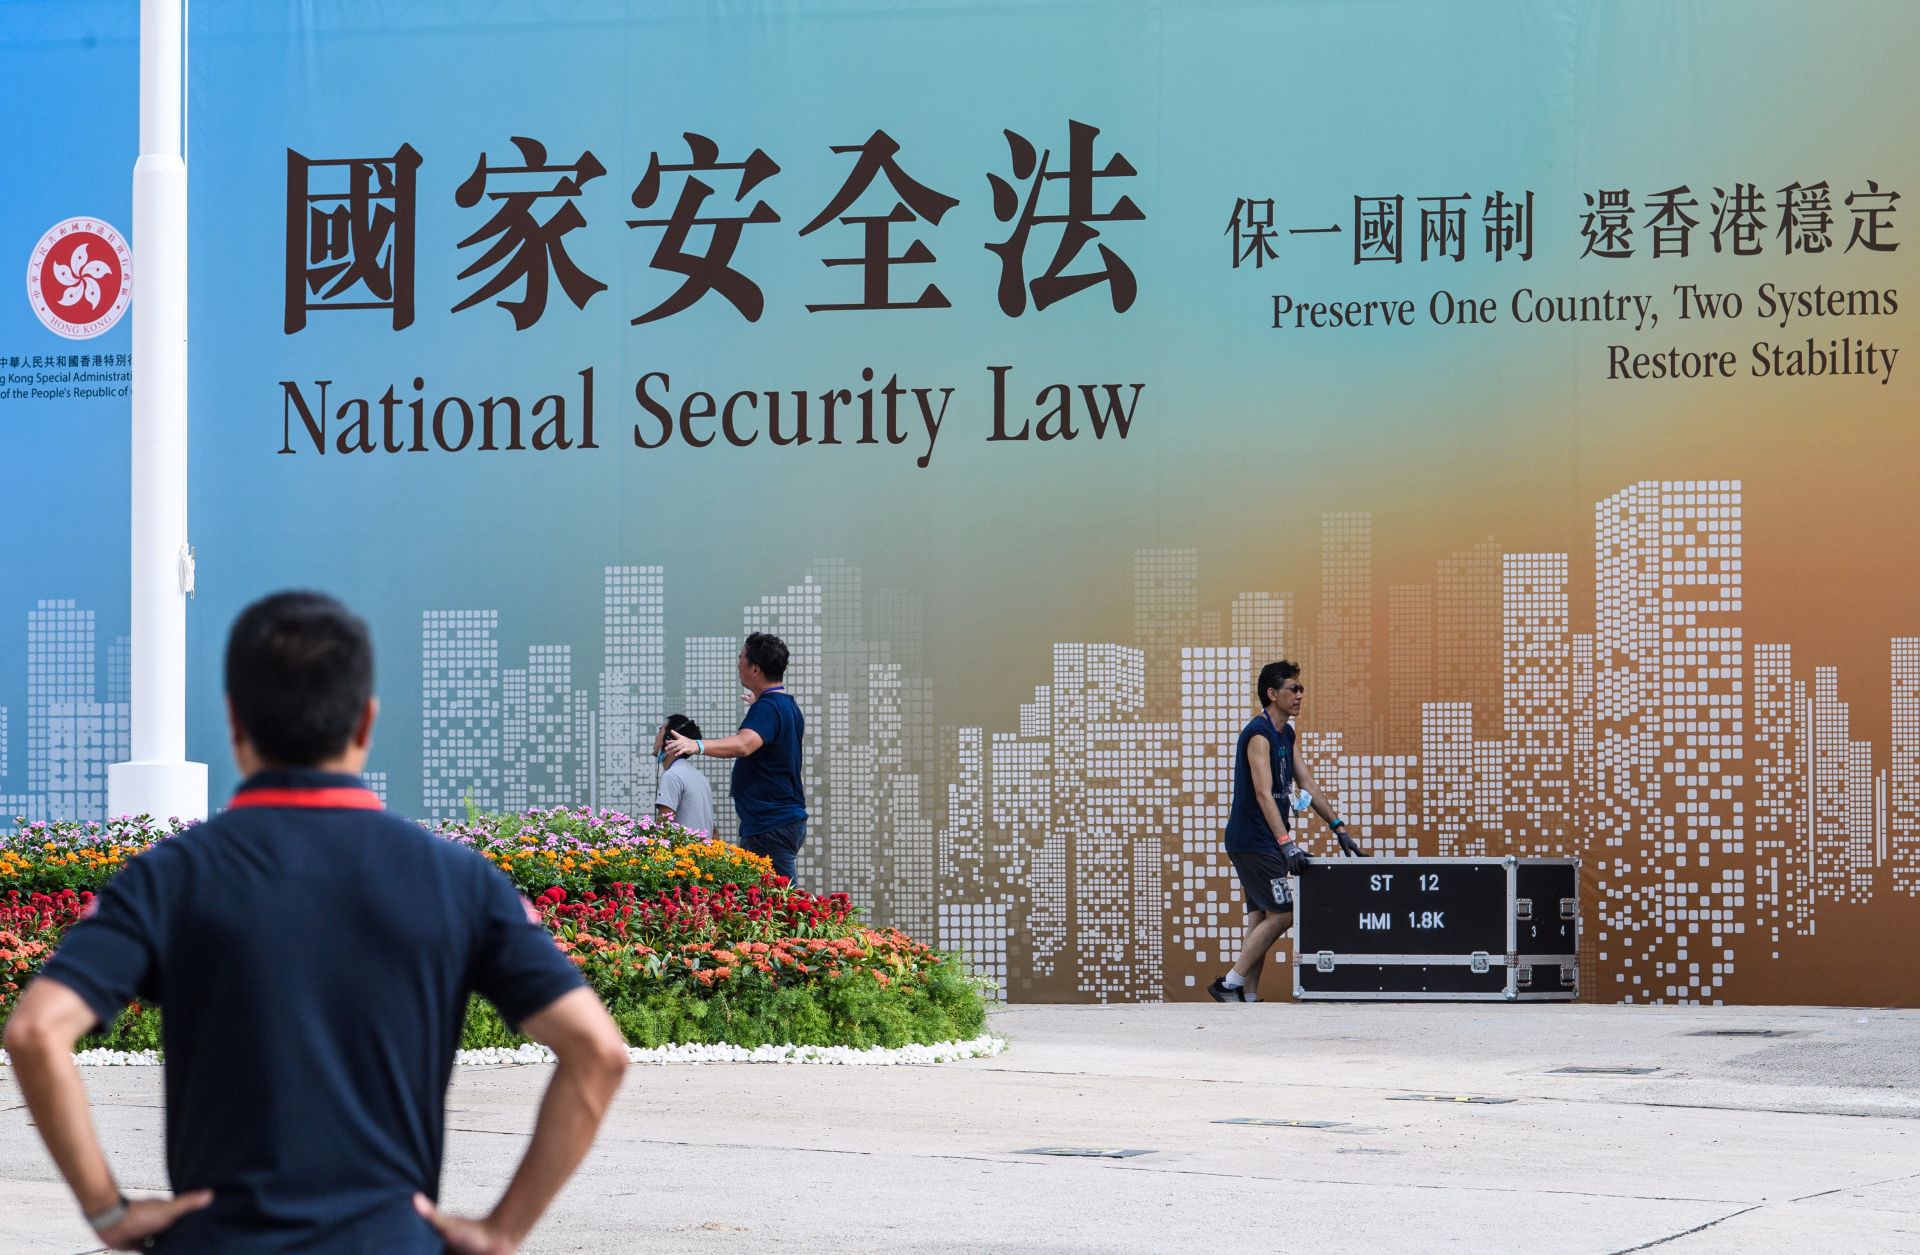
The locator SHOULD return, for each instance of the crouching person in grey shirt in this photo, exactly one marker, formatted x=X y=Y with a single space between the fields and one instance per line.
x=685 y=797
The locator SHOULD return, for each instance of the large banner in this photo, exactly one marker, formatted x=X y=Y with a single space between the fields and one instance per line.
x=1536 y=374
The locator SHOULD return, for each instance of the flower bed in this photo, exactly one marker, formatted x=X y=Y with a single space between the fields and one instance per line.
x=690 y=941
x=582 y=850
x=46 y=857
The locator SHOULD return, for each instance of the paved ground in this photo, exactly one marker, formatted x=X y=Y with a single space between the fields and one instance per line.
x=1804 y=1143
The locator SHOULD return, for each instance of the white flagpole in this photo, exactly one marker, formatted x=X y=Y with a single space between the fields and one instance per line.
x=159 y=781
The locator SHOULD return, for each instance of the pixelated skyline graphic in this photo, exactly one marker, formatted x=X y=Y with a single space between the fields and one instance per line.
x=1712 y=785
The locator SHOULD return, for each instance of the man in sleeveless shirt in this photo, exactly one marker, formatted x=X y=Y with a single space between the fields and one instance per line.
x=1259 y=839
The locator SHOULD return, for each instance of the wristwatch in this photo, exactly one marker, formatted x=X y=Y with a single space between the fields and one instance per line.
x=102 y=1220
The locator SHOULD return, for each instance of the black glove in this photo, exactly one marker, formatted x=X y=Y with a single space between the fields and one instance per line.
x=1347 y=844
x=1294 y=857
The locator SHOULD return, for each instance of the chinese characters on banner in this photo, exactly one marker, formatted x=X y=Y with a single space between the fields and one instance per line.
x=1801 y=220
x=351 y=227
x=351 y=233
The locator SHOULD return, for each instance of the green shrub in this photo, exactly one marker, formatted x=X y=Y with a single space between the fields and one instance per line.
x=854 y=1011
x=485 y=1029
x=138 y=1028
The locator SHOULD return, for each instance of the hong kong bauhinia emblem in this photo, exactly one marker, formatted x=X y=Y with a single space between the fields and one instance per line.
x=80 y=278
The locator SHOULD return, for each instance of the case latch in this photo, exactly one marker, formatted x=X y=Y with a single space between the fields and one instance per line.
x=1323 y=961
x=1523 y=909
x=1481 y=961
x=1569 y=908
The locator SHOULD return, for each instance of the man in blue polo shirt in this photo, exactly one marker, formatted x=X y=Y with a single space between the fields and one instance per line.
x=313 y=955
x=767 y=793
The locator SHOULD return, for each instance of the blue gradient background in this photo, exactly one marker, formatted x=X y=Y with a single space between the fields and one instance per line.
x=1244 y=435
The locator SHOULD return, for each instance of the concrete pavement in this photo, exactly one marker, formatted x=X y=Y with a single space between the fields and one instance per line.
x=1804 y=1142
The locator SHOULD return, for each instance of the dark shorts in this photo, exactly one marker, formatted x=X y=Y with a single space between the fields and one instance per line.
x=1263 y=879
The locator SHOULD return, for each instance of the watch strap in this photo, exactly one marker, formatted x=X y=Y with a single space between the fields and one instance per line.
x=107 y=1217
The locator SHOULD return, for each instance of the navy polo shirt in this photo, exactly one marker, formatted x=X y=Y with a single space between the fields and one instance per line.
x=312 y=955
x=766 y=783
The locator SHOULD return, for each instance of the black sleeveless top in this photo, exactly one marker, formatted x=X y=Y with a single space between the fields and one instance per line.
x=1246 y=827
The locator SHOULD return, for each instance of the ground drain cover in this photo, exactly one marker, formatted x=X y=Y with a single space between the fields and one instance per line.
x=1745 y=1032
x=1083 y=1152
x=1479 y=1099
x=1265 y=1123
x=1600 y=1070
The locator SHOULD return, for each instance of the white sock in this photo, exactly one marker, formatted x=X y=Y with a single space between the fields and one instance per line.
x=1233 y=980
x=1249 y=994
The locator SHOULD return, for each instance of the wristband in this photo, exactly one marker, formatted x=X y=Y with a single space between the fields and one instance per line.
x=102 y=1220
x=1337 y=824
x=700 y=747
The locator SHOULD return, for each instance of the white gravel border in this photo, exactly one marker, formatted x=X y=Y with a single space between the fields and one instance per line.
x=985 y=1046
x=982 y=1047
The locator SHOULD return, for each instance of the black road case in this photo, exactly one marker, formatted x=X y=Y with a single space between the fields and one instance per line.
x=1434 y=929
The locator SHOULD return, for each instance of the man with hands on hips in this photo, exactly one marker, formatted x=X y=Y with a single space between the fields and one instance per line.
x=314 y=955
